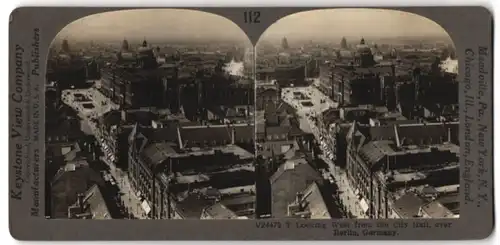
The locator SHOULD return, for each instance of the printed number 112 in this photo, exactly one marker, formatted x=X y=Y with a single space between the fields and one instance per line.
x=252 y=16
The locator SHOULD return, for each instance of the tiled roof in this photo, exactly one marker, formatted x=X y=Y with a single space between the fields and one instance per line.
x=315 y=202
x=267 y=92
x=279 y=130
x=291 y=177
x=157 y=153
x=244 y=133
x=96 y=203
x=436 y=209
x=431 y=133
x=66 y=185
x=200 y=134
x=191 y=206
x=376 y=150
x=408 y=205
x=239 y=200
x=219 y=211
x=161 y=134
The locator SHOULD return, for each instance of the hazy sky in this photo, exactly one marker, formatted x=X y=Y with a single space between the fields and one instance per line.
x=154 y=24
x=336 y=23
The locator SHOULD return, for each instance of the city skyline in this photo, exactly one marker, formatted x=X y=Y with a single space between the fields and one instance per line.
x=353 y=24
x=154 y=25
x=192 y=25
x=150 y=132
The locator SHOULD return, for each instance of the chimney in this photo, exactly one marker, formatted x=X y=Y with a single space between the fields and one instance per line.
x=80 y=203
x=396 y=134
x=233 y=133
x=449 y=135
x=124 y=115
x=298 y=197
x=179 y=138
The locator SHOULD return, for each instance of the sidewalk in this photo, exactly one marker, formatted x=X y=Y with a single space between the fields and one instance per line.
x=346 y=193
x=130 y=200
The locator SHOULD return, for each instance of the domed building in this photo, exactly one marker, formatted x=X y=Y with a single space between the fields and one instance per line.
x=125 y=57
x=146 y=56
x=364 y=56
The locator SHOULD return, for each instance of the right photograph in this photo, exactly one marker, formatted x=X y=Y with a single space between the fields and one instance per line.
x=357 y=117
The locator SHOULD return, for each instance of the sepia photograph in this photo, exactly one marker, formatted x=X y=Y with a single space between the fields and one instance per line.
x=173 y=114
x=150 y=115
x=251 y=123
x=357 y=117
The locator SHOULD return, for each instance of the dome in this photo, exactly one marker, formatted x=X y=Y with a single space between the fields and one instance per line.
x=363 y=48
x=144 y=49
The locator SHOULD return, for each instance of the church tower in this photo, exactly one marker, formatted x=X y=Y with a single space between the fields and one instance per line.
x=125 y=46
x=65 y=46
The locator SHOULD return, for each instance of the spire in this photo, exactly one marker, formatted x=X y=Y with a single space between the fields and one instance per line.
x=343 y=43
x=65 y=46
x=362 y=41
x=284 y=43
x=125 y=46
x=145 y=43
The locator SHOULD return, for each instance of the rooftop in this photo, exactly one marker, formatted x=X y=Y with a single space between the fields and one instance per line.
x=219 y=211
x=436 y=209
x=94 y=205
x=408 y=205
x=292 y=177
x=191 y=205
x=315 y=202
x=159 y=152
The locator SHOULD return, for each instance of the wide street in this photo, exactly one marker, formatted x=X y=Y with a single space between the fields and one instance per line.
x=91 y=105
x=319 y=102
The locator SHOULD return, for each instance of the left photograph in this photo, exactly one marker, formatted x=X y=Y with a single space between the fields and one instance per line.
x=150 y=115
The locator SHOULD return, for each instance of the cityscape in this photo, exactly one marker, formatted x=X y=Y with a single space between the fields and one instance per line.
x=321 y=120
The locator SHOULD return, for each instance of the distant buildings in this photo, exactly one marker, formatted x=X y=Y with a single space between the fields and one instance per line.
x=405 y=83
x=284 y=74
x=357 y=83
x=125 y=83
x=66 y=68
